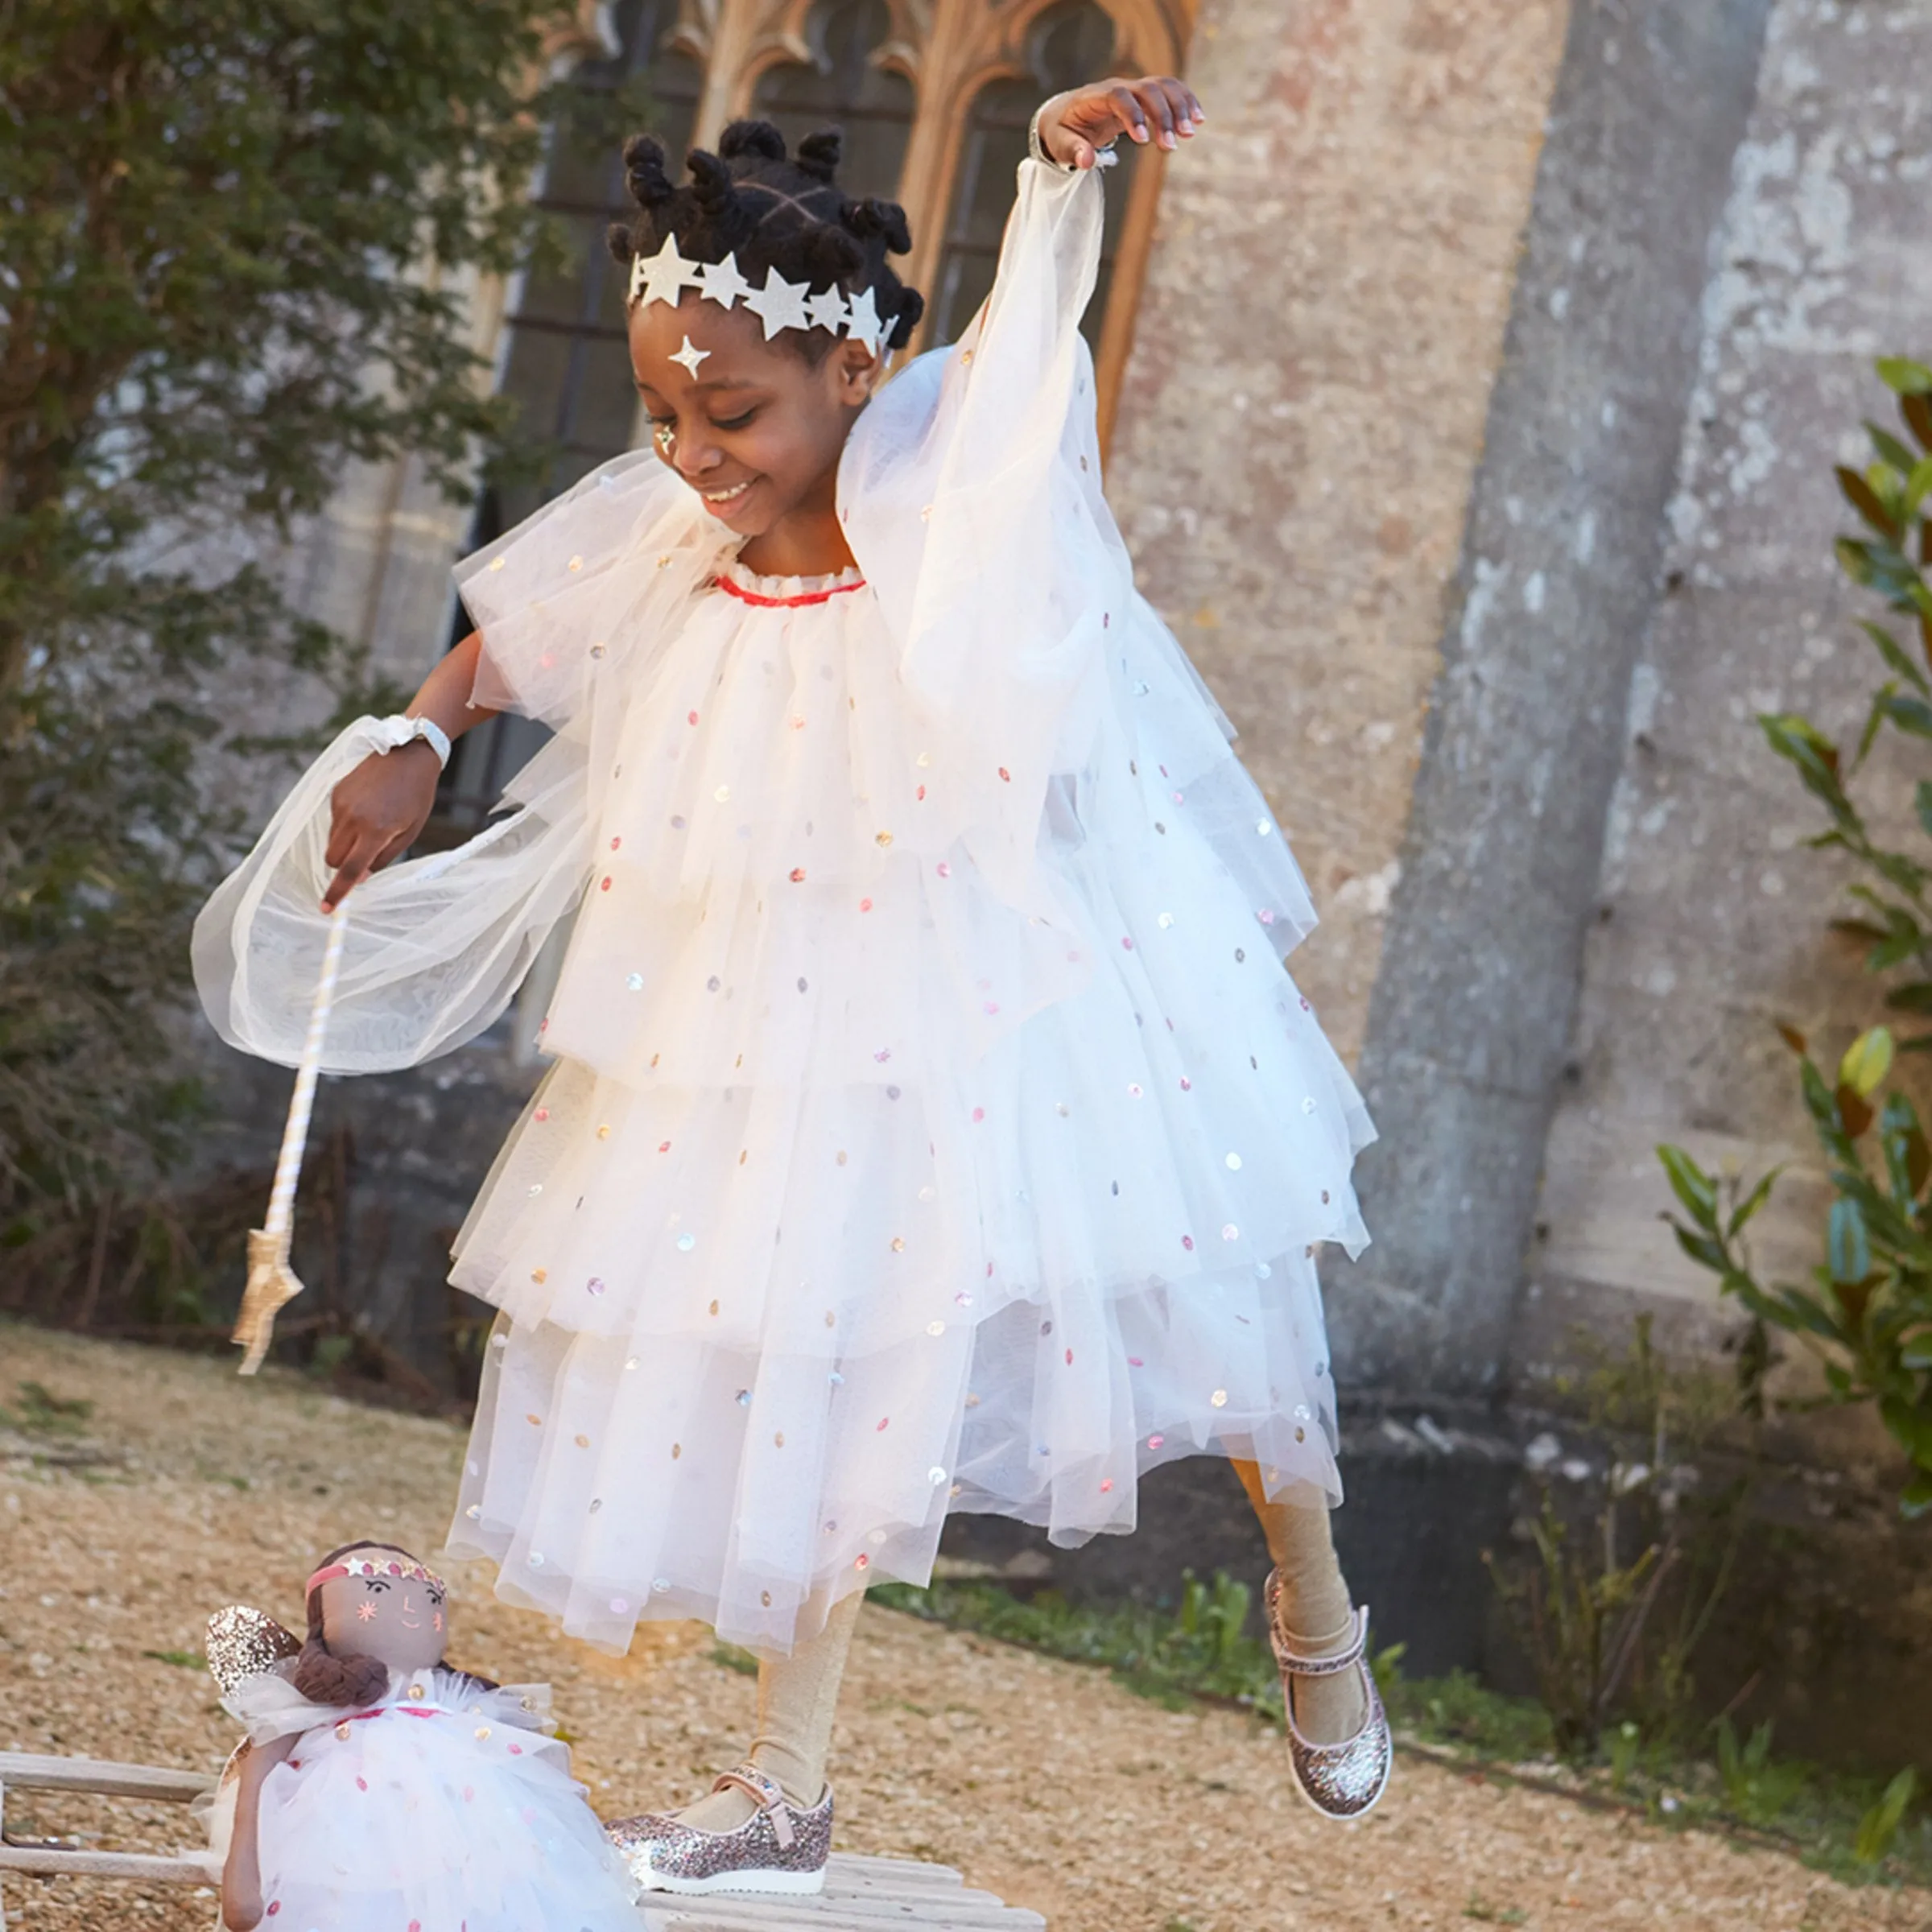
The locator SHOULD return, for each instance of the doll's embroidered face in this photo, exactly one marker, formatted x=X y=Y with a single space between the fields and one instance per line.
x=755 y=427
x=400 y=1620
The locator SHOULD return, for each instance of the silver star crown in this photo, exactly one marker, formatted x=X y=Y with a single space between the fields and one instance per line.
x=779 y=304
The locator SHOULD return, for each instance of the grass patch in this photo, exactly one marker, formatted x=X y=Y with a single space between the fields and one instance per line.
x=1494 y=1915
x=1858 y=1828
x=730 y=1657
x=39 y=1411
x=1202 y=1650
x=182 y=1660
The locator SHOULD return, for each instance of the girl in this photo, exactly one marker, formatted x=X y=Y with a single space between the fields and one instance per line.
x=347 y=1817
x=932 y=1125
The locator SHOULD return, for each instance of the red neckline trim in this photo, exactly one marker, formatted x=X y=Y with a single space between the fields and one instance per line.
x=764 y=603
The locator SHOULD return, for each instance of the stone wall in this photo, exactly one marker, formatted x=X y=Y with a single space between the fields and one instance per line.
x=1712 y=913
x=1472 y=1013
x=1314 y=350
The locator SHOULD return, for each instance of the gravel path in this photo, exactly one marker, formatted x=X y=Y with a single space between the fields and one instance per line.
x=1042 y=1781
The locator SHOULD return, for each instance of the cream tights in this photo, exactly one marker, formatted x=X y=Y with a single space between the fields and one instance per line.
x=797 y=1695
x=1316 y=1614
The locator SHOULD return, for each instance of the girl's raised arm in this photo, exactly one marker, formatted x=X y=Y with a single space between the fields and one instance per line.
x=1004 y=591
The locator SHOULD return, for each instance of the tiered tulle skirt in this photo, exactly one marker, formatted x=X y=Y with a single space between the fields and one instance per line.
x=858 y=1194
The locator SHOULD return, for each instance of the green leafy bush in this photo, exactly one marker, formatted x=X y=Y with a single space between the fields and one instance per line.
x=1867 y=1312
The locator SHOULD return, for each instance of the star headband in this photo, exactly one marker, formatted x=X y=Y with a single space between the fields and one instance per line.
x=367 y=1565
x=779 y=304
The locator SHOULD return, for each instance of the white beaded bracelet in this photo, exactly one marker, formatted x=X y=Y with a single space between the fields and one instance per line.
x=406 y=731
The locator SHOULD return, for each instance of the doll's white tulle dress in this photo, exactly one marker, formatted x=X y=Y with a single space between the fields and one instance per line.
x=444 y=1807
x=933 y=1125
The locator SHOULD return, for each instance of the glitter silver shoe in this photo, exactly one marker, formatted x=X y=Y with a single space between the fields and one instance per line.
x=1341 y=1781
x=779 y=1848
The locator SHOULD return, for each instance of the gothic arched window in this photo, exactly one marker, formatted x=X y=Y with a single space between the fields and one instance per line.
x=565 y=357
x=1069 y=42
x=566 y=360
x=847 y=82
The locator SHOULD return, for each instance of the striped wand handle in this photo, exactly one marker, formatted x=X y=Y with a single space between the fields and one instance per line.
x=294 y=1136
x=271 y=1282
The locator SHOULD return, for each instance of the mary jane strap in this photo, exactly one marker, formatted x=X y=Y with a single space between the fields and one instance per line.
x=1345 y=1659
x=765 y=1793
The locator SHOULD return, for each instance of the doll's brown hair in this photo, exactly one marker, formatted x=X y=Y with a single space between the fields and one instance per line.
x=323 y=1678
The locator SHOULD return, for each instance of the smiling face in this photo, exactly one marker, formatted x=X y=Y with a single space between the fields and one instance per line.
x=752 y=426
x=399 y=1620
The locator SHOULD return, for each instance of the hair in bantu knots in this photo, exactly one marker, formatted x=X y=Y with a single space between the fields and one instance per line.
x=773 y=210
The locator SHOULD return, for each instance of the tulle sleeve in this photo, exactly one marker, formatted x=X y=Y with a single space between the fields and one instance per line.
x=526 y=1707
x=267 y=1706
x=558 y=599
x=573 y=605
x=970 y=494
x=435 y=946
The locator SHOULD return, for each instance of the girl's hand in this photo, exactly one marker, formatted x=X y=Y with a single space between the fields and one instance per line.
x=1074 y=127
x=376 y=811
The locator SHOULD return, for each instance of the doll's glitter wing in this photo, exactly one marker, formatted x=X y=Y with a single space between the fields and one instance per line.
x=243 y=1642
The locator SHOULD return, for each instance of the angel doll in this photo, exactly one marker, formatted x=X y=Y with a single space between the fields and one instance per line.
x=381 y=1787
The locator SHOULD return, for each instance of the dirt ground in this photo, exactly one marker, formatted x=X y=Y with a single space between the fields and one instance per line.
x=188 y=1488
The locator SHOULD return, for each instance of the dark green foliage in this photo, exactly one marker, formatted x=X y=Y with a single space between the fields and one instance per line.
x=236 y=237
x=1866 y=1313
x=1894 y=916
x=1758 y=1788
x=1615 y=1600
x=1878 y=1829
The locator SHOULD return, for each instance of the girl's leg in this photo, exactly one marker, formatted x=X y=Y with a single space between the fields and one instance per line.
x=797 y=1696
x=1316 y=1614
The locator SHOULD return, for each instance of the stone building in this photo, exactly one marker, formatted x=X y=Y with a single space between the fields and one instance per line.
x=1471 y=392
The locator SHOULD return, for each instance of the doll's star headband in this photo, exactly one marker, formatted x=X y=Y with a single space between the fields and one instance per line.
x=779 y=304
x=369 y=1565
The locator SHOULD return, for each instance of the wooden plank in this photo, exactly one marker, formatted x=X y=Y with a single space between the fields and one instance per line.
x=941 y=1907
x=51 y=1863
x=909 y=1903
x=24 y=1771
x=724 y=1913
x=861 y=1894
x=849 y=1868
x=751 y=1912
x=895 y=1885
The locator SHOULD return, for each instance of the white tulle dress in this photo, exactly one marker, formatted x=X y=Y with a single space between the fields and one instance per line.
x=444 y=1806
x=933 y=1125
